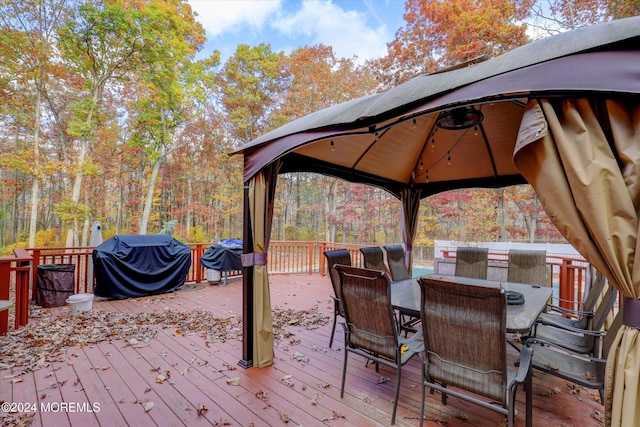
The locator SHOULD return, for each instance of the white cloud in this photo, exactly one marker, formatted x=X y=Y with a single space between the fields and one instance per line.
x=346 y=31
x=287 y=25
x=222 y=16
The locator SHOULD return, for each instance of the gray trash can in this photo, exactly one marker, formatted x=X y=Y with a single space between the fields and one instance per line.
x=56 y=282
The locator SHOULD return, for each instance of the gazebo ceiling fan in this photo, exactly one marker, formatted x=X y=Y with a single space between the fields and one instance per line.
x=459 y=118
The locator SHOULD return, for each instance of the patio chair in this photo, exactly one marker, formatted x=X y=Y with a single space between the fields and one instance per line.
x=472 y=262
x=581 y=319
x=342 y=257
x=575 y=339
x=373 y=258
x=526 y=266
x=395 y=261
x=399 y=271
x=370 y=328
x=587 y=371
x=465 y=340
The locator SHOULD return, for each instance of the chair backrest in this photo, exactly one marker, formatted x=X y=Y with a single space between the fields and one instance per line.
x=599 y=318
x=464 y=330
x=395 y=261
x=373 y=258
x=340 y=257
x=472 y=262
x=595 y=292
x=604 y=308
x=611 y=334
x=367 y=311
x=527 y=266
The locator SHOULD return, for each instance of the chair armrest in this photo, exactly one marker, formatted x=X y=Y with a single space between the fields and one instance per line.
x=570 y=311
x=552 y=322
x=524 y=365
x=539 y=341
x=412 y=339
x=579 y=331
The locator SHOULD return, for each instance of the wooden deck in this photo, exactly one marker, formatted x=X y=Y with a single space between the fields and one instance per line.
x=182 y=377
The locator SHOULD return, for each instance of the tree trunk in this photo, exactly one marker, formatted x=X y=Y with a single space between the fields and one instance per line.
x=503 y=233
x=86 y=226
x=72 y=231
x=35 y=186
x=188 y=219
x=146 y=213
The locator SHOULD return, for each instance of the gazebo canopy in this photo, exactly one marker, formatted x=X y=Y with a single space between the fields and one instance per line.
x=391 y=139
x=562 y=113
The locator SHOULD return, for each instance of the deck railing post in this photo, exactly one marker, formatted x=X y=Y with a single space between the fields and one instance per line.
x=321 y=251
x=22 y=269
x=566 y=281
x=198 y=268
x=35 y=253
x=5 y=284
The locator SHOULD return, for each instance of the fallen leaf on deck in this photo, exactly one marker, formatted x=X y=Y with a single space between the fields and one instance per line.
x=300 y=357
x=147 y=406
x=160 y=379
x=335 y=415
x=287 y=380
x=43 y=341
x=234 y=381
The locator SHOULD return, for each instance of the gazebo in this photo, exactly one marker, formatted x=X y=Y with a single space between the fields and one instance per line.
x=562 y=113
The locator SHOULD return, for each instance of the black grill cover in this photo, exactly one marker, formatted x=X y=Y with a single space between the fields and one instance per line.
x=134 y=266
x=224 y=256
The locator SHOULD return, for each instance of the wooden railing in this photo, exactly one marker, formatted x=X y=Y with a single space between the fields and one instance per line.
x=285 y=257
x=15 y=270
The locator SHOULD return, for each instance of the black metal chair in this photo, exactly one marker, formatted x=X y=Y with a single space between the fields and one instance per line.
x=527 y=266
x=561 y=317
x=587 y=371
x=370 y=328
x=373 y=258
x=574 y=339
x=397 y=266
x=334 y=257
x=399 y=271
x=465 y=346
x=472 y=262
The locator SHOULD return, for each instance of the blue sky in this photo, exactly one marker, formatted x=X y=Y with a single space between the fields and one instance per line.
x=359 y=28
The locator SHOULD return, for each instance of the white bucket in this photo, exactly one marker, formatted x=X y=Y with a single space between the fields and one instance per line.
x=80 y=303
x=213 y=276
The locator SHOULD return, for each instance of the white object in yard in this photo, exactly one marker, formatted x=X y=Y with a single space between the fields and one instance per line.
x=80 y=303
x=213 y=276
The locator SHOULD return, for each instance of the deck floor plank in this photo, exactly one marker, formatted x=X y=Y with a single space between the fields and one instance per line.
x=110 y=412
x=120 y=376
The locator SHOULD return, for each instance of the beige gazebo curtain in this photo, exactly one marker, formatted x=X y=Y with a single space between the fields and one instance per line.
x=261 y=195
x=410 y=198
x=582 y=156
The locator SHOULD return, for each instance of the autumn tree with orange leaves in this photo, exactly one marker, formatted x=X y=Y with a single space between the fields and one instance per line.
x=441 y=34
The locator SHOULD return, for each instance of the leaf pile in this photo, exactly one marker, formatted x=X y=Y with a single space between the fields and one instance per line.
x=42 y=341
x=308 y=319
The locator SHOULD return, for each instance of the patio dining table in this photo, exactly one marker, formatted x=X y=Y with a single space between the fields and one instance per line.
x=405 y=296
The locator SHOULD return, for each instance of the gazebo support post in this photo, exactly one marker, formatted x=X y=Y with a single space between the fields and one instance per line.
x=247 y=288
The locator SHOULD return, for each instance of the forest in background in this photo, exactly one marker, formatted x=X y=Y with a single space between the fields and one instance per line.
x=111 y=112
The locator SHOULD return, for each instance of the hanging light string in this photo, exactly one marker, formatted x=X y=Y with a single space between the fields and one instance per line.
x=446 y=155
